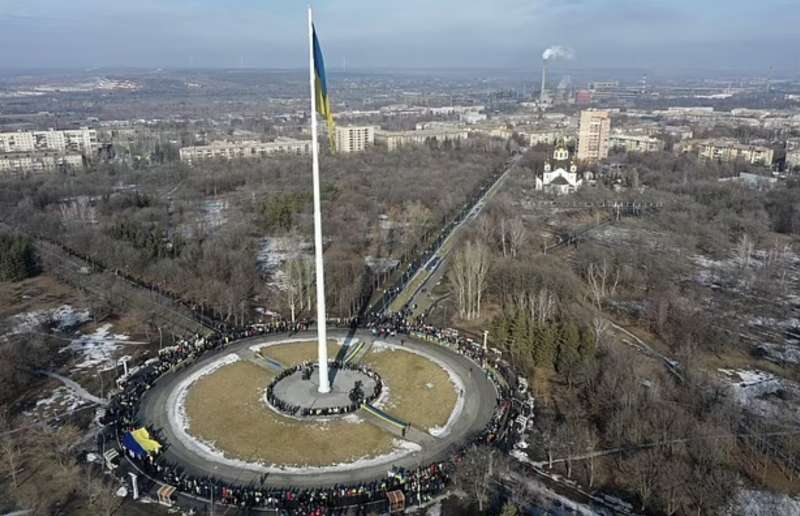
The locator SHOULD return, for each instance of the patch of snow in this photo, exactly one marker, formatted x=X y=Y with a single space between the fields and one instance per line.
x=763 y=503
x=434 y=510
x=61 y=400
x=764 y=394
x=214 y=212
x=353 y=418
x=97 y=349
x=380 y=265
x=275 y=251
x=789 y=354
x=63 y=318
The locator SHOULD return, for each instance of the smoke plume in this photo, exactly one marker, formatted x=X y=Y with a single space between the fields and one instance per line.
x=558 y=52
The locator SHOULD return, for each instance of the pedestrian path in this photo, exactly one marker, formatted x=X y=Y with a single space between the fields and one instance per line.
x=395 y=426
x=267 y=363
x=357 y=352
x=76 y=388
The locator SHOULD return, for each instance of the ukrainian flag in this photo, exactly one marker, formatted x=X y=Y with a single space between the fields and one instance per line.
x=321 y=91
x=140 y=443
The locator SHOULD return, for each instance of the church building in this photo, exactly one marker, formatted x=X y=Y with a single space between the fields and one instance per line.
x=561 y=176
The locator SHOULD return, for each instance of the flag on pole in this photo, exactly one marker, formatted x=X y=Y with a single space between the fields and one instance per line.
x=321 y=91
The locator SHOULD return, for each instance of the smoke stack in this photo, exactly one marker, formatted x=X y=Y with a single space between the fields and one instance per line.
x=544 y=81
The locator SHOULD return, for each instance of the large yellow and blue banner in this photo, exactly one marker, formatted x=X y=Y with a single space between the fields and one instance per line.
x=321 y=91
x=140 y=443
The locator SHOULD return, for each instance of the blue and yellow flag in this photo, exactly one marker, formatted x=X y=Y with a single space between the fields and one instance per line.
x=321 y=90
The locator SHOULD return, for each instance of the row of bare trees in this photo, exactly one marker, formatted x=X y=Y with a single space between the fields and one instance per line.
x=468 y=271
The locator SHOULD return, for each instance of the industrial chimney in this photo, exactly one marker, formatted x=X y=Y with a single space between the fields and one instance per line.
x=544 y=81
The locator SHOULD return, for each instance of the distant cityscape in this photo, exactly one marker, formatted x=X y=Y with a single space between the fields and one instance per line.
x=598 y=118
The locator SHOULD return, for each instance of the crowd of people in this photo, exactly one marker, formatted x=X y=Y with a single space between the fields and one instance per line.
x=417 y=485
x=306 y=368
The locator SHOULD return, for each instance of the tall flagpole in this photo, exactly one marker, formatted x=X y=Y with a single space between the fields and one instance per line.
x=324 y=384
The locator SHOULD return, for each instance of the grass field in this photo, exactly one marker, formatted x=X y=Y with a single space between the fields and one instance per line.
x=295 y=352
x=420 y=391
x=226 y=408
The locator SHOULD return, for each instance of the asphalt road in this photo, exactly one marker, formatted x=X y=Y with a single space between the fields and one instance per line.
x=479 y=404
x=423 y=298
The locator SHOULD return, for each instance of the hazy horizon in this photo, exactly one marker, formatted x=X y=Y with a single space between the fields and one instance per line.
x=503 y=34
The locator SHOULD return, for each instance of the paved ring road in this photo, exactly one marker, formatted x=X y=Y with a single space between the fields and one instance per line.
x=480 y=399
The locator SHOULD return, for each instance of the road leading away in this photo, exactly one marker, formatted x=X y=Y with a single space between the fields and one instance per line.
x=418 y=290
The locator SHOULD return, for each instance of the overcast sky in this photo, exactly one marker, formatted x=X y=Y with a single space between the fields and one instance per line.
x=654 y=34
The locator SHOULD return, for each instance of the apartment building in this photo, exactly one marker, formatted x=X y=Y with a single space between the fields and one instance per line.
x=725 y=149
x=26 y=162
x=82 y=141
x=244 y=150
x=636 y=143
x=593 y=135
x=354 y=138
x=397 y=139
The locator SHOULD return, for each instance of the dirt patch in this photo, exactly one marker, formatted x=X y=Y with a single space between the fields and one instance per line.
x=420 y=391
x=226 y=408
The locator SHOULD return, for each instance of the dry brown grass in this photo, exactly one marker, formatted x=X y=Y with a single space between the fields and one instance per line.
x=226 y=408
x=37 y=293
x=420 y=391
x=295 y=352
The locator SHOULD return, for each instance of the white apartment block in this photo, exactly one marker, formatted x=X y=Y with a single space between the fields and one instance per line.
x=73 y=140
x=593 y=135
x=636 y=143
x=793 y=159
x=242 y=150
x=18 y=163
x=547 y=137
x=354 y=138
x=396 y=139
x=730 y=150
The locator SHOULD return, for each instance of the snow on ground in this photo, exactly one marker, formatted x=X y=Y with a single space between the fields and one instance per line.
x=214 y=213
x=62 y=318
x=764 y=394
x=788 y=354
x=275 y=251
x=60 y=400
x=380 y=265
x=762 y=503
x=434 y=510
x=96 y=350
x=437 y=431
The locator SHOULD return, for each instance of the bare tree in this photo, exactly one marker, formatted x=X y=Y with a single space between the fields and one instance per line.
x=744 y=251
x=476 y=472
x=602 y=282
x=467 y=275
x=293 y=272
x=599 y=327
x=517 y=235
x=309 y=281
x=12 y=452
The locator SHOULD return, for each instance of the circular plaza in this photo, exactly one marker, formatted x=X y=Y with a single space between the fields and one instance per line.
x=249 y=412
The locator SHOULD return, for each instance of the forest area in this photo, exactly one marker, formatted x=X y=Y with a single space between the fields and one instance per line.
x=628 y=339
x=198 y=231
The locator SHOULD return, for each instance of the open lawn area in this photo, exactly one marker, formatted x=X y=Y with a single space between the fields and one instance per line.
x=420 y=391
x=227 y=408
x=293 y=353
